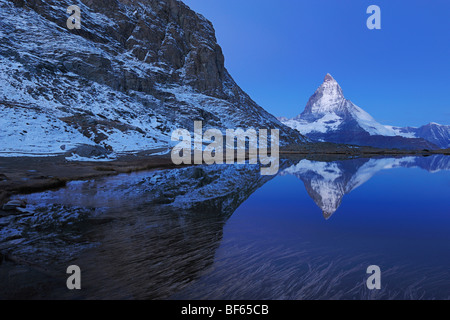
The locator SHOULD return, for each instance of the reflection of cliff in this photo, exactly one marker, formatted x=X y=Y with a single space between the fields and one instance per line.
x=142 y=236
x=328 y=182
x=156 y=250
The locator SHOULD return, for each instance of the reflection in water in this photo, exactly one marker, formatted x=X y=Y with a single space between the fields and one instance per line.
x=144 y=235
x=155 y=235
x=268 y=253
x=328 y=182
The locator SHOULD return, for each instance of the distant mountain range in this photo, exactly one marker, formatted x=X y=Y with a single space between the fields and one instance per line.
x=330 y=117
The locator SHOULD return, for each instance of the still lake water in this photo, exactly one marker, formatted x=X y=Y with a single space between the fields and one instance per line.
x=225 y=232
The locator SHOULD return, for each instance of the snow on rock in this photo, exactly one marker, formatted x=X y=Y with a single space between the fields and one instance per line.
x=29 y=132
x=328 y=109
x=329 y=116
x=329 y=121
x=134 y=73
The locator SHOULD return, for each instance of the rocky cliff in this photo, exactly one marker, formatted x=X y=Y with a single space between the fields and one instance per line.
x=133 y=72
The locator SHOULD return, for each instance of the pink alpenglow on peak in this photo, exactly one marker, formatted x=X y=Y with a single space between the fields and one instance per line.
x=328 y=77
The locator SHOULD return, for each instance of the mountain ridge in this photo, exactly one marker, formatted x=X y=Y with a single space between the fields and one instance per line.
x=132 y=74
x=329 y=116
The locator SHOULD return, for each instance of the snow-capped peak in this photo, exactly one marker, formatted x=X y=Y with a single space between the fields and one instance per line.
x=329 y=116
x=328 y=110
x=328 y=77
x=328 y=97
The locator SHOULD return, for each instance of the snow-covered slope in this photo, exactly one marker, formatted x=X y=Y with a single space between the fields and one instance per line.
x=132 y=74
x=329 y=116
x=433 y=132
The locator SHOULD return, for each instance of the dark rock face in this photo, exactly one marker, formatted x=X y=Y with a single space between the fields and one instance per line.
x=156 y=63
x=90 y=151
x=14 y=204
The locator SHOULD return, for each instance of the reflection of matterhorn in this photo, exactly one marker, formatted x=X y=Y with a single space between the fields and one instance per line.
x=328 y=182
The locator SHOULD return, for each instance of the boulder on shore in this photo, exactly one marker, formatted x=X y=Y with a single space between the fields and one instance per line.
x=14 y=205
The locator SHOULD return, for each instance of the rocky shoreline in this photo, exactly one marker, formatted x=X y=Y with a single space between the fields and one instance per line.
x=27 y=175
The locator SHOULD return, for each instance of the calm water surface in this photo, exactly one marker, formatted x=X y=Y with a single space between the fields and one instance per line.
x=225 y=232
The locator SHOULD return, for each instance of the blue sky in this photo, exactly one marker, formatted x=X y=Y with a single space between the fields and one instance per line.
x=280 y=51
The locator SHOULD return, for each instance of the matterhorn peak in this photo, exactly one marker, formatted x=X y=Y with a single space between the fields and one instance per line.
x=328 y=77
x=327 y=98
x=330 y=87
x=330 y=117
